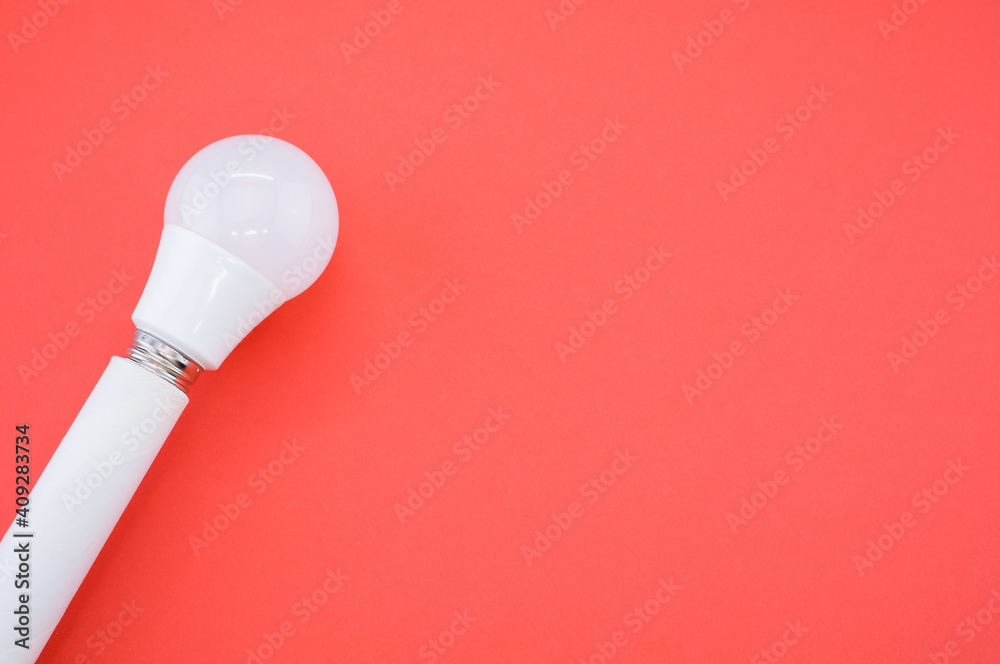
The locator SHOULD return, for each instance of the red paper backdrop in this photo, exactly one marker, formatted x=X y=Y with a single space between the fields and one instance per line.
x=691 y=93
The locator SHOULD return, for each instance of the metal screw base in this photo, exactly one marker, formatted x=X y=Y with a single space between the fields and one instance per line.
x=163 y=360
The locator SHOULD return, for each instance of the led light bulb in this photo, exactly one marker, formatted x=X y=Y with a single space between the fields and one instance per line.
x=248 y=226
x=250 y=222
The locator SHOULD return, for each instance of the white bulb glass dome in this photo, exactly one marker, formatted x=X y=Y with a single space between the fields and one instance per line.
x=263 y=200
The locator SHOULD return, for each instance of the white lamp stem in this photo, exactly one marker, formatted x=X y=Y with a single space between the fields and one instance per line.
x=76 y=502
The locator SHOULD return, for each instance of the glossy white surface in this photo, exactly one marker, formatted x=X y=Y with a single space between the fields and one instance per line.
x=201 y=299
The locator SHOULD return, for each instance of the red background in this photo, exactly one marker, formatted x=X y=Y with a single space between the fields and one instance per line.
x=495 y=346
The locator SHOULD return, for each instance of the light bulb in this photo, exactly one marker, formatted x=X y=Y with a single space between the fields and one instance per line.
x=250 y=222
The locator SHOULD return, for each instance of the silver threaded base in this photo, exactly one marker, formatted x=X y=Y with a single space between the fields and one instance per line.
x=163 y=360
